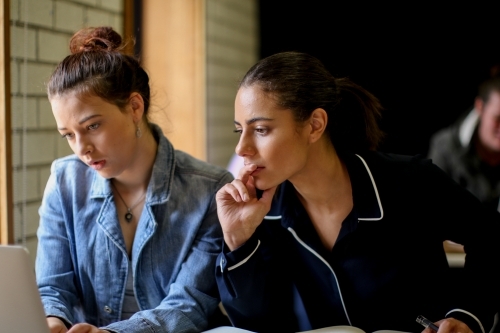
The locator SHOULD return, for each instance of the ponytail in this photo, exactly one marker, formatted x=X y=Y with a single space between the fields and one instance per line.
x=353 y=122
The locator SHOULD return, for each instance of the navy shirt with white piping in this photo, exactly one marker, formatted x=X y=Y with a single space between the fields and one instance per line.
x=387 y=266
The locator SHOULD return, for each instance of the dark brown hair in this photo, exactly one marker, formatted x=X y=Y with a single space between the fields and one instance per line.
x=301 y=83
x=98 y=66
x=487 y=87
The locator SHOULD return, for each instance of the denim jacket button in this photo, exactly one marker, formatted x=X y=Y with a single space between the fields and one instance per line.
x=107 y=309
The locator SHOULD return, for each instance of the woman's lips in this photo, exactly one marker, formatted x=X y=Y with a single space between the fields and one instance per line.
x=256 y=171
x=98 y=165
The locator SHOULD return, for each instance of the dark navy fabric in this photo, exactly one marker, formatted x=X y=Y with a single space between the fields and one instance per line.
x=387 y=266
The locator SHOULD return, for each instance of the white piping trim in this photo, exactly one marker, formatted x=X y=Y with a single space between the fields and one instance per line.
x=468 y=127
x=269 y=217
x=470 y=314
x=376 y=193
x=327 y=265
x=246 y=259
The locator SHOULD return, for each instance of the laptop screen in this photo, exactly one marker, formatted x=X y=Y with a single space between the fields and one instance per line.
x=21 y=308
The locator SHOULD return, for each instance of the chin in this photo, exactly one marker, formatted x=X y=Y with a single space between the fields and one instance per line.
x=263 y=185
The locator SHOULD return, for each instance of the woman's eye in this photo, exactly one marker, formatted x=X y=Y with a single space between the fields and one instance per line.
x=93 y=127
x=66 y=136
x=261 y=130
x=237 y=131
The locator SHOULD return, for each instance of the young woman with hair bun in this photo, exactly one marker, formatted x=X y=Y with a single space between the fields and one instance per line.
x=128 y=233
x=322 y=229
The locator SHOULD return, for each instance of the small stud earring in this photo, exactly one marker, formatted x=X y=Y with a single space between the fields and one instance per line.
x=138 y=132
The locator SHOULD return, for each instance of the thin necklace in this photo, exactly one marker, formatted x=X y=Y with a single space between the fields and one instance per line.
x=128 y=214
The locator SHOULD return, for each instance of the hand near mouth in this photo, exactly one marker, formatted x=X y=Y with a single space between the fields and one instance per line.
x=239 y=209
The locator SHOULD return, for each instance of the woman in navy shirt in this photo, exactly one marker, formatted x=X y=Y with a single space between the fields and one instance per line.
x=321 y=229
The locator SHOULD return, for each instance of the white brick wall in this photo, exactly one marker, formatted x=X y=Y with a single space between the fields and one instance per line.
x=40 y=33
x=33 y=77
x=23 y=46
x=232 y=48
x=36 y=12
x=52 y=46
x=69 y=16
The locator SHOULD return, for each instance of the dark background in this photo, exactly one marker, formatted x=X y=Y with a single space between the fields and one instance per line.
x=423 y=61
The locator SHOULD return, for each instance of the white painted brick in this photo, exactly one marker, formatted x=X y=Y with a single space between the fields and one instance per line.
x=41 y=147
x=87 y=2
x=17 y=222
x=14 y=77
x=25 y=187
x=31 y=245
x=53 y=46
x=15 y=117
x=219 y=10
x=16 y=149
x=43 y=177
x=19 y=45
x=69 y=16
x=114 y=5
x=37 y=76
x=116 y=21
x=31 y=218
x=250 y=7
x=96 y=18
x=222 y=94
x=21 y=118
x=14 y=10
x=220 y=72
x=63 y=148
x=45 y=115
x=37 y=12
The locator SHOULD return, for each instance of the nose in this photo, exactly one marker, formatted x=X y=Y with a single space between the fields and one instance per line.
x=245 y=146
x=82 y=146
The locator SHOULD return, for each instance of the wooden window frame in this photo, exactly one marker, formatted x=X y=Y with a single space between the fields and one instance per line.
x=6 y=197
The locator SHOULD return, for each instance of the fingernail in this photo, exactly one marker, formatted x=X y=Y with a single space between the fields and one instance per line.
x=245 y=197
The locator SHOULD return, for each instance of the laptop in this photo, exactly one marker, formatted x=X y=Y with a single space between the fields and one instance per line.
x=21 y=308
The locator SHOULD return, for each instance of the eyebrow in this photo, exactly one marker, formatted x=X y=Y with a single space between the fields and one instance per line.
x=81 y=121
x=253 y=120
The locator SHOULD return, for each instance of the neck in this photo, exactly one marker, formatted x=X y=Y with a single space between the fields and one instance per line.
x=136 y=177
x=324 y=182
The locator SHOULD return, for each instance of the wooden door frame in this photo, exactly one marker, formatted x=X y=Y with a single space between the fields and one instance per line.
x=173 y=53
x=6 y=196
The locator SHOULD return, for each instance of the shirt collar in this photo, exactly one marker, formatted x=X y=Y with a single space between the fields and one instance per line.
x=367 y=202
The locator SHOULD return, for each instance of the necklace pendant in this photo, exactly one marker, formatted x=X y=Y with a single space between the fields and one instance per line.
x=128 y=216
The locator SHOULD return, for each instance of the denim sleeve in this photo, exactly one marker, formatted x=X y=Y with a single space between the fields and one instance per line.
x=54 y=269
x=193 y=297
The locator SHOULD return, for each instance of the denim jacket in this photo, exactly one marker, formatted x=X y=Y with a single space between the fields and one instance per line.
x=82 y=262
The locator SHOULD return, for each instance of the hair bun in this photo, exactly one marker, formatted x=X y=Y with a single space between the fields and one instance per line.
x=95 y=39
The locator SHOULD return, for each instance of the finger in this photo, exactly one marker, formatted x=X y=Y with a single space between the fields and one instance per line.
x=250 y=185
x=245 y=172
x=267 y=195
x=81 y=328
x=58 y=329
x=236 y=190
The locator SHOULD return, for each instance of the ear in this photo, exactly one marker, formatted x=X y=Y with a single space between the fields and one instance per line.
x=136 y=104
x=317 y=121
x=479 y=105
